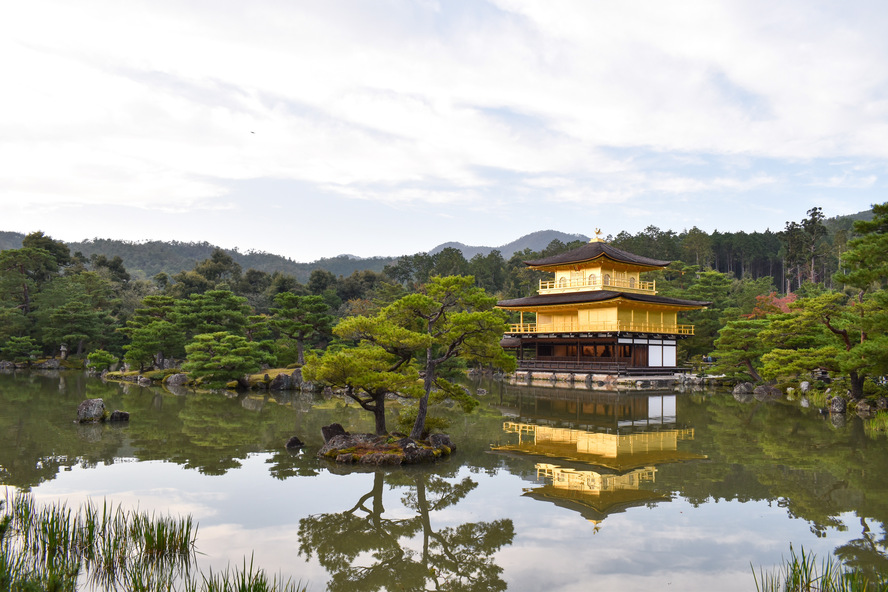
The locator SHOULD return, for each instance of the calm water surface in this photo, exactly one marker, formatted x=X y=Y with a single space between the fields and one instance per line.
x=551 y=489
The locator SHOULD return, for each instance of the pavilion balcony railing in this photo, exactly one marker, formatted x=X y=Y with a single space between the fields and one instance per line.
x=601 y=327
x=596 y=282
x=603 y=367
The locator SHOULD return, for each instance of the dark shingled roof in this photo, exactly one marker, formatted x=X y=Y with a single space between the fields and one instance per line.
x=593 y=250
x=596 y=296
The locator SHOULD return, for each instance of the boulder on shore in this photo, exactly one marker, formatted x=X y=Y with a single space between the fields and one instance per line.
x=281 y=382
x=332 y=430
x=838 y=405
x=743 y=388
x=766 y=392
x=178 y=379
x=865 y=409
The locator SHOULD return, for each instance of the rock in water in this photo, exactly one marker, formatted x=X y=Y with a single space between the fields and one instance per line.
x=118 y=415
x=91 y=411
x=295 y=442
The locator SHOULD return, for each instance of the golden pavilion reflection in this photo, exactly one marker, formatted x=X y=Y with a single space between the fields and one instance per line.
x=598 y=472
x=614 y=451
x=594 y=494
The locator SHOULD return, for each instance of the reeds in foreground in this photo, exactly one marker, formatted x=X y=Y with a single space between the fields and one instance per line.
x=802 y=573
x=54 y=549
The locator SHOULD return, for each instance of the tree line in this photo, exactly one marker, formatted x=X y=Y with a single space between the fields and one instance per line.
x=52 y=299
x=820 y=330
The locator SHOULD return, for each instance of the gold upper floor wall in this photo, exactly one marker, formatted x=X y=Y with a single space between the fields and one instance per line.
x=598 y=277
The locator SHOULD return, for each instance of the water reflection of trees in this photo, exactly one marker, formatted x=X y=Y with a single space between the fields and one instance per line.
x=204 y=431
x=867 y=553
x=363 y=548
x=773 y=451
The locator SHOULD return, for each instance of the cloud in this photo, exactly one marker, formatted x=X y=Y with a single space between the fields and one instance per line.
x=165 y=105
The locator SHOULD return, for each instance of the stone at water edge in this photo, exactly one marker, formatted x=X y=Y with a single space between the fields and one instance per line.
x=91 y=411
x=838 y=405
x=118 y=415
x=281 y=382
x=178 y=379
x=766 y=392
x=865 y=409
x=441 y=440
x=743 y=388
x=334 y=429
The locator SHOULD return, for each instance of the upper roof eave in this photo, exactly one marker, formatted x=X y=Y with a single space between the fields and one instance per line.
x=597 y=296
x=594 y=250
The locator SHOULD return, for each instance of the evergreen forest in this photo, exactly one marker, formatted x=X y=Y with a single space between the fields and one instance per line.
x=808 y=298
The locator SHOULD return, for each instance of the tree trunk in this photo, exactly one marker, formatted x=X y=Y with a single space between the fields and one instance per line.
x=752 y=372
x=423 y=408
x=300 y=352
x=423 y=506
x=379 y=414
x=856 y=385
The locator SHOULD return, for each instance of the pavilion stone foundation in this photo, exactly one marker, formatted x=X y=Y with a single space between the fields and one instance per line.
x=596 y=382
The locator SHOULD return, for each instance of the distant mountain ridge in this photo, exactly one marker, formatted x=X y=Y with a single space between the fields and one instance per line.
x=147 y=259
x=535 y=241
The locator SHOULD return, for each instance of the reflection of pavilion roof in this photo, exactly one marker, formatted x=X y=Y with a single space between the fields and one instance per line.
x=593 y=494
x=595 y=508
x=619 y=452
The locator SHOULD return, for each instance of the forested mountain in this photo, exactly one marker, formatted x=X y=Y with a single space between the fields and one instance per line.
x=755 y=254
x=10 y=240
x=146 y=259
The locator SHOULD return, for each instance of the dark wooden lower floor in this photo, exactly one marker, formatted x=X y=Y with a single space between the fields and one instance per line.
x=616 y=353
x=615 y=368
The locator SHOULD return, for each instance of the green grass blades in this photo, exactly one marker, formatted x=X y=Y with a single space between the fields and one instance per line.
x=802 y=573
x=53 y=549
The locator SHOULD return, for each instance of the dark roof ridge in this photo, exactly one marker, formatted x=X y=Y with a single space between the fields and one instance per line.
x=597 y=296
x=593 y=250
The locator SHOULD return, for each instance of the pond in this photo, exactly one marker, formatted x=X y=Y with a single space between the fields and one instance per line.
x=550 y=489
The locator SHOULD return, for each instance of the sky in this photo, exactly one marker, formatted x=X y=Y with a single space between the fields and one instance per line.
x=313 y=129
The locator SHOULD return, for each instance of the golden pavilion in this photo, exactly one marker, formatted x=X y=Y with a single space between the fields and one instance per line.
x=598 y=315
